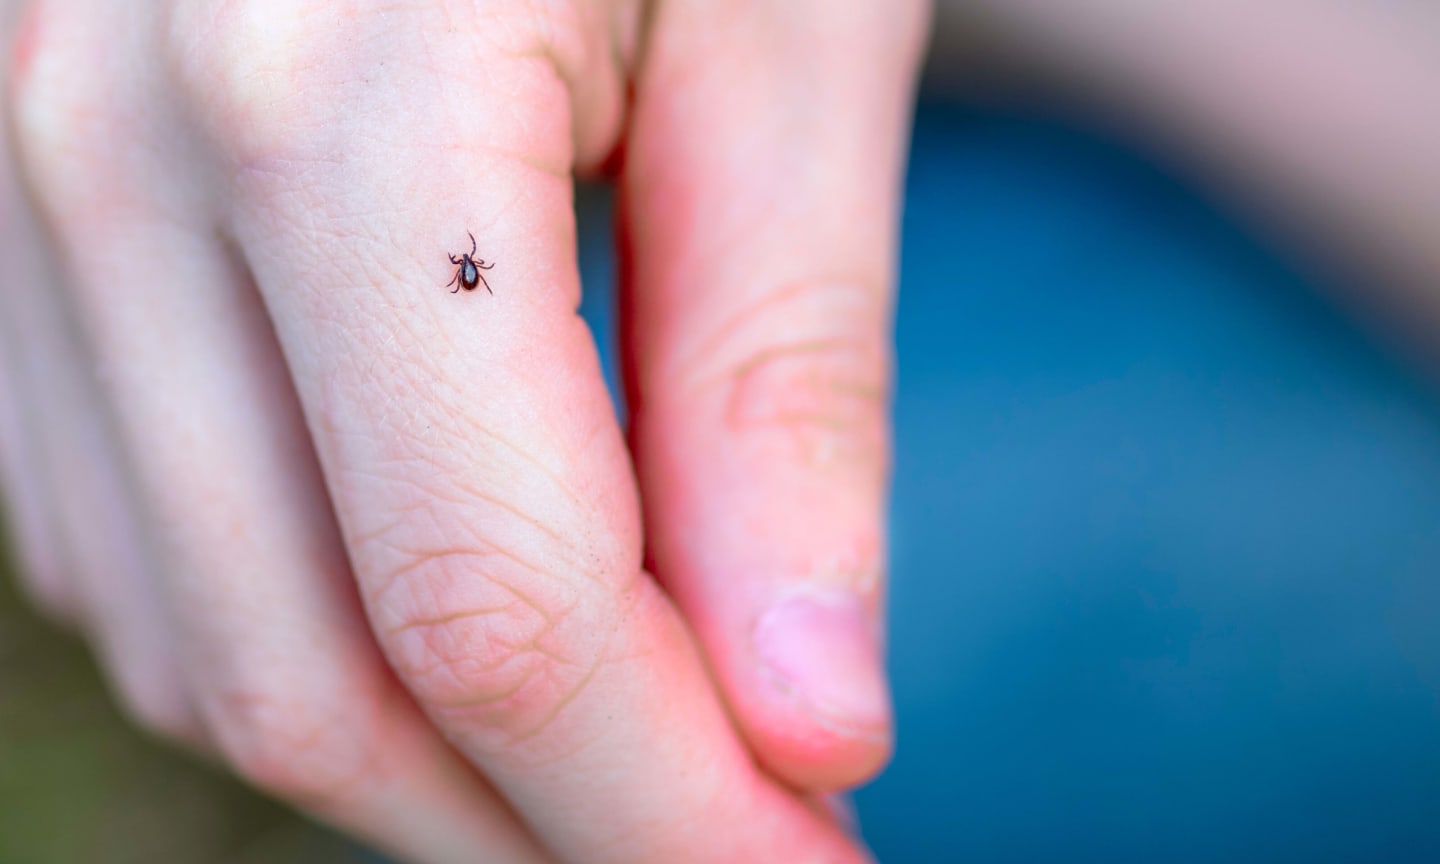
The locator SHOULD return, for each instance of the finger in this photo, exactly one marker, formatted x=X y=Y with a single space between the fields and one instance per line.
x=277 y=653
x=274 y=647
x=107 y=552
x=467 y=439
x=28 y=500
x=25 y=498
x=100 y=571
x=761 y=201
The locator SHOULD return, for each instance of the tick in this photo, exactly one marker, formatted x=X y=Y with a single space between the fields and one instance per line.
x=467 y=271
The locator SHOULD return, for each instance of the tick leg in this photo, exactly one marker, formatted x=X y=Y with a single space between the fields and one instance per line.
x=486 y=284
x=472 y=243
x=452 y=281
x=480 y=262
x=454 y=260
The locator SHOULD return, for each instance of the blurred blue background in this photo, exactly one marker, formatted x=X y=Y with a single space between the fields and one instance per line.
x=1166 y=526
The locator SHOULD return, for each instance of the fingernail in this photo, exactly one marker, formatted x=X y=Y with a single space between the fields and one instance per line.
x=825 y=651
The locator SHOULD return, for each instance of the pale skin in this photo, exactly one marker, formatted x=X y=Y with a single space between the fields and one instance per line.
x=384 y=550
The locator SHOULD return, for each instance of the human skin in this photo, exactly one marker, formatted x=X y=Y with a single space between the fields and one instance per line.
x=383 y=549
x=173 y=506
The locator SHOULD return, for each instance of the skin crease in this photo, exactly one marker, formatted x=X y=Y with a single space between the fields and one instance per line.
x=392 y=538
x=409 y=570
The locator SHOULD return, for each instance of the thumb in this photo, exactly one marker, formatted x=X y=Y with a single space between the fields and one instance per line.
x=760 y=196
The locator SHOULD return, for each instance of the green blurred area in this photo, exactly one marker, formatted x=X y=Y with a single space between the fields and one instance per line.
x=79 y=785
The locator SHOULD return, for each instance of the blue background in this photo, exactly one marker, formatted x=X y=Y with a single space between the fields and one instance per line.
x=1166 y=526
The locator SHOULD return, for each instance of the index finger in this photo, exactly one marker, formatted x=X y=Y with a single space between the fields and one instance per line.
x=467 y=439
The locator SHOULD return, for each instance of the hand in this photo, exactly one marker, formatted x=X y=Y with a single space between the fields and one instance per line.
x=245 y=391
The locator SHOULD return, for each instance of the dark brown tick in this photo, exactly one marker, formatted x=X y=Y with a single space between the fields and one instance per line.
x=467 y=270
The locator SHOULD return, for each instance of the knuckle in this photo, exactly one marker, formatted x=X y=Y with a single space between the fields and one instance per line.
x=295 y=745
x=57 y=113
x=802 y=371
x=285 y=83
x=250 y=69
x=154 y=703
x=486 y=634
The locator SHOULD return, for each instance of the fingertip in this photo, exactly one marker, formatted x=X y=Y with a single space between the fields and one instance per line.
x=812 y=696
x=783 y=589
x=815 y=758
x=823 y=652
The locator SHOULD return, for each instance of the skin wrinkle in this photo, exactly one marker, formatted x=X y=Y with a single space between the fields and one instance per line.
x=554 y=477
x=514 y=651
x=764 y=309
x=799 y=419
x=676 y=701
x=556 y=172
x=538 y=648
x=471 y=494
x=508 y=658
x=551 y=619
x=377 y=592
x=431 y=665
x=356 y=541
x=741 y=380
x=827 y=394
x=794 y=349
x=426 y=558
x=374 y=271
x=562 y=756
x=536 y=605
x=451 y=617
x=560 y=540
x=571 y=694
x=605 y=655
x=480 y=700
x=479 y=429
x=601 y=658
x=435 y=484
x=518 y=653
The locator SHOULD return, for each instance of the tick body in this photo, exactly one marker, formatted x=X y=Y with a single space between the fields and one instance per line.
x=467 y=271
